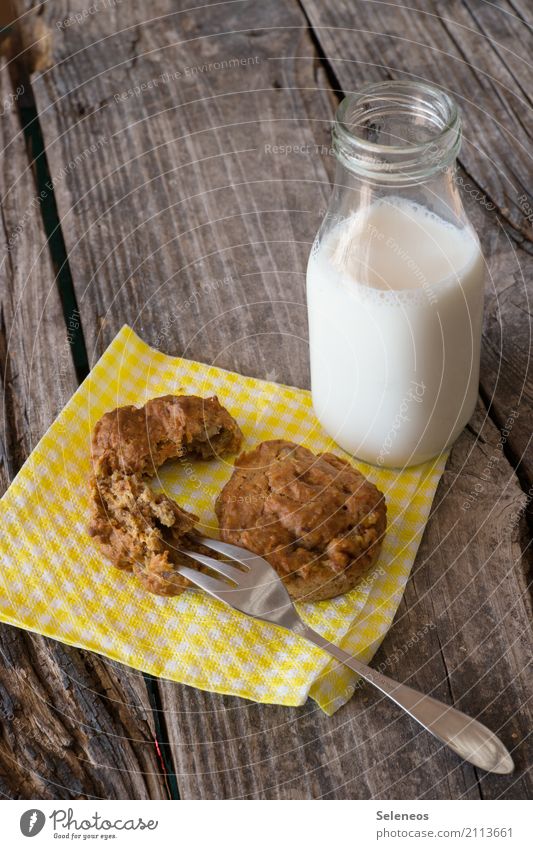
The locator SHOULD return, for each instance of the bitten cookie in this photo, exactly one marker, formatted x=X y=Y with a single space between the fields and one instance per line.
x=137 y=529
x=317 y=520
x=137 y=440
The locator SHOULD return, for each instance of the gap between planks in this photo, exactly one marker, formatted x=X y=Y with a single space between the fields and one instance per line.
x=55 y=243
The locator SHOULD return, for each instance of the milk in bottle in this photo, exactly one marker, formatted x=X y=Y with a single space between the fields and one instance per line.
x=395 y=285
x=395 y=299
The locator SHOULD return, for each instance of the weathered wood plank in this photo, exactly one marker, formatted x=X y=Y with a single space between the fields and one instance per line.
x=187 y=223
x=72 y=725
x=464 y=612
x=170 y=185
x=479 y=52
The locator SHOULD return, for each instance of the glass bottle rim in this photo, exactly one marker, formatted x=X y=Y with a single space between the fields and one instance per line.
x=431 y=111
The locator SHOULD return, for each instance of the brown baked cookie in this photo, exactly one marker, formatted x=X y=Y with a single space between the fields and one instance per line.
x=139 y=439
x=137 y=529
x=140 y=530
x=316 y=519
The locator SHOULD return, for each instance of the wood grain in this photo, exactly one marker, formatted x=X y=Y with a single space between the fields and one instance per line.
x=177 y=227
x=463 y=624
x=192 y=221
x=71 y=724
x=479 y=52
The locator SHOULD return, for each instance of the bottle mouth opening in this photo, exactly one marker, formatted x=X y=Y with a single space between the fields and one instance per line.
x=397 y=131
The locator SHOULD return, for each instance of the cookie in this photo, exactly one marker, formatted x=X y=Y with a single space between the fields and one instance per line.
x=137 y=529
x=317 y=520
x=137 y=440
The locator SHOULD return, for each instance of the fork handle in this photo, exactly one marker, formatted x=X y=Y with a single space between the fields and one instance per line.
x=467 y=737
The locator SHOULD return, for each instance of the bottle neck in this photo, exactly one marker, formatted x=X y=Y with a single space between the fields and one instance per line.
x=397 y=134
x=438 y=192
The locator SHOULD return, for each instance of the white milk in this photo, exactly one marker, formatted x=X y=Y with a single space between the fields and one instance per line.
x=395 y=300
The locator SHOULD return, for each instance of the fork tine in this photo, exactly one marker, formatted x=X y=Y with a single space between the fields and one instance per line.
x=241 y=555
x=205 y=582
x=219 y=566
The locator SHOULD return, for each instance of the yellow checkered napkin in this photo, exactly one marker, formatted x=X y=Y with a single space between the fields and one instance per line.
x=57 y=583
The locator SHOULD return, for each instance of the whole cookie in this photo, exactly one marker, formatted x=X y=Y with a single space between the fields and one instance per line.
x=317 y=520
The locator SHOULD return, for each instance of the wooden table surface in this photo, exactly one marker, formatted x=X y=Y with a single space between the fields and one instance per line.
x=152 y=149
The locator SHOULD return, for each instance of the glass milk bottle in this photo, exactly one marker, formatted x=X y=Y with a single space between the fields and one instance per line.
x=395 y=281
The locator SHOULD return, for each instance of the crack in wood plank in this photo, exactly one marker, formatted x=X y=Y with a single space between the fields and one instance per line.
x=71 y=727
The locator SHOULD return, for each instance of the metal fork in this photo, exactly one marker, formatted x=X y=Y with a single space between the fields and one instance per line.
x=254 y=588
